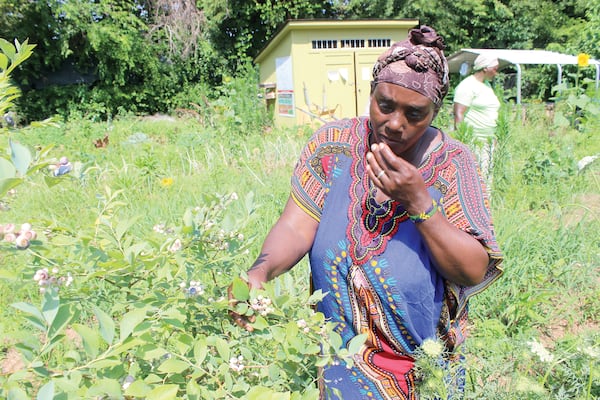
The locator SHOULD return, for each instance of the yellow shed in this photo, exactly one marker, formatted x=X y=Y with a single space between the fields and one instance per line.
x=318 y=70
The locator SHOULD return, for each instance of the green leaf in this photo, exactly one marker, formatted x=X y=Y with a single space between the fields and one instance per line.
x=7 y=48
x=200 y=350
x=107 y=325
x=105 y=363
x=16 y=393
x=64 y=316
x=46 y=392
x=52 y=181
x=173 y=366
x=102 y=387
x=188 y=218
x=35 y=316
x=260 y=323
x=356 y=342
x=7 y=169
x=164 y=392
x=50 y=306
x=222 y=348
x=130 y=321
x=7 y=184
x=91 y=340
x=21 y=157
x=240 y=289
x=137 y=389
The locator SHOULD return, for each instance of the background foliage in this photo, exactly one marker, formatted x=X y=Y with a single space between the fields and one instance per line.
x=99 y=59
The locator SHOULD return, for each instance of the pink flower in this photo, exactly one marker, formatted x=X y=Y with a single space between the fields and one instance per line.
x=9 y=237
x=9 y=228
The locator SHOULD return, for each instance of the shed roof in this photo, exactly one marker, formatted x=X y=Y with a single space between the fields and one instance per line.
x=517 y=58
x=304 y=24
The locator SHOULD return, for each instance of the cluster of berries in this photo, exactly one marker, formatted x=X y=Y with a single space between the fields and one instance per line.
x=21 y=238
x=45 y=280
x=261 y=305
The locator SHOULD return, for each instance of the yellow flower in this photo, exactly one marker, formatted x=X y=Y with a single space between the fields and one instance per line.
x=166 y=182
x=583 y=60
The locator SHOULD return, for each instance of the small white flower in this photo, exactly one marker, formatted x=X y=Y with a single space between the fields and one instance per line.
x=591 y=351
x=175 y=246
x=235 y=363
x=302 y=323
x=538 y=349
x=26 y=227
x=69 y=279
x=234 y=196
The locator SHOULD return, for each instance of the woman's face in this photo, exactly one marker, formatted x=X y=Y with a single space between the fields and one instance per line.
x=399 y=117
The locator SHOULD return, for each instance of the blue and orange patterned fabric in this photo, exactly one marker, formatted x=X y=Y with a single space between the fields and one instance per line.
x=373 y=264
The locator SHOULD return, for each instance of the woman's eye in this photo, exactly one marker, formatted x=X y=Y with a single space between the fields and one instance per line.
x=385 y=108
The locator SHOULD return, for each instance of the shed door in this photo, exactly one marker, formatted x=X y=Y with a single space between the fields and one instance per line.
x=364 y=74
x=339 y=89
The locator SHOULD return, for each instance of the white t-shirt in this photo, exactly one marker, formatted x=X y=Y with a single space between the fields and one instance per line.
x=482 y=106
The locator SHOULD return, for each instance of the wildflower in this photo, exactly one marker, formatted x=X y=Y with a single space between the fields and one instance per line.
x=235 y=363
x=10 y=237
x=538 y=349
x=583 y=60
x=175 y=246
x=432 y=348
x=26 y=227
x=234 y=196
x=166 y=182
x=591 y=351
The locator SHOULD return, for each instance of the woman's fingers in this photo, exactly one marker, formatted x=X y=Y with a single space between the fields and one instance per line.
x=242 y=321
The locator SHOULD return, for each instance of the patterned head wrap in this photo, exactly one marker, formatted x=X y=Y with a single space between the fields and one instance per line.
x=417 y=63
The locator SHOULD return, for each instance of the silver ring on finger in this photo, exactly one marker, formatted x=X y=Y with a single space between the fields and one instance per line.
x=380 y=174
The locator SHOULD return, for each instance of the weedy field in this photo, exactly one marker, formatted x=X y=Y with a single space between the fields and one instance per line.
x=120 y=291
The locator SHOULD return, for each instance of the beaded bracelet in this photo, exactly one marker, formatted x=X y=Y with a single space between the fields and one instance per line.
x=425 y=215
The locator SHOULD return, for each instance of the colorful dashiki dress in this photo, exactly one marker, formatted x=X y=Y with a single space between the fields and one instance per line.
x=373 y=264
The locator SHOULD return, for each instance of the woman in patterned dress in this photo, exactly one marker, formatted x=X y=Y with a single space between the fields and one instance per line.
x=396 y=223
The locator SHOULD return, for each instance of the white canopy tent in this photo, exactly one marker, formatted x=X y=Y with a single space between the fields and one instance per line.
x=462 y=61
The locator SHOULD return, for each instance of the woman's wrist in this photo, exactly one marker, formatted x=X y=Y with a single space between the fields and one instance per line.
x=426 y=214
